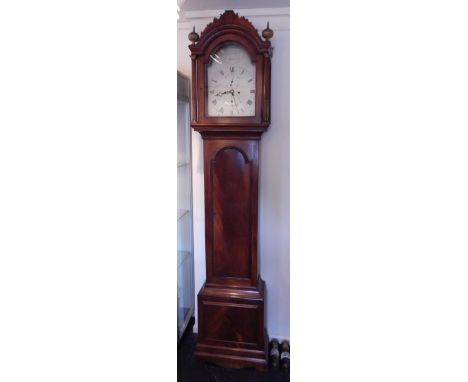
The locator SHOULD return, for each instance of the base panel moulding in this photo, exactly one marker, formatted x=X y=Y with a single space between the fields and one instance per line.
x=231 y=326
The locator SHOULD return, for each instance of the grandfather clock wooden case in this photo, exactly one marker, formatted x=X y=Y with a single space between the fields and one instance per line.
x=231 y=111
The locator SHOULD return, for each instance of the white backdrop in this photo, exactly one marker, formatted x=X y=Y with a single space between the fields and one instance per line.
x=273 y=245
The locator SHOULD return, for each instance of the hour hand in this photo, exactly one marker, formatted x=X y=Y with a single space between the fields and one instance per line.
x=222 y=93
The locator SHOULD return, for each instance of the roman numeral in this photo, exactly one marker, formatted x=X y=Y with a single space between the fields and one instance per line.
x=231 y=69
x=252 y=91
x=250 y=80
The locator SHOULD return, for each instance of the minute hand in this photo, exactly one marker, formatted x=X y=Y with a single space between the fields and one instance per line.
x=234 y=99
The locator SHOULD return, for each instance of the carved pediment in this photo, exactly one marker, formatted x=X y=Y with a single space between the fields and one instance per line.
x=229 y=21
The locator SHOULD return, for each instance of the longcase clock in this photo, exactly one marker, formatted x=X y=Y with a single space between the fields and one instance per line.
x=231 y=111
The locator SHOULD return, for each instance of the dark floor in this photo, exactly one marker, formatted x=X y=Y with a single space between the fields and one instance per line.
x=191 y=370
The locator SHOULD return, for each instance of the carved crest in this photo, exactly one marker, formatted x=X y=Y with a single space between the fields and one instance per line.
x=232 y=22
x=229 y=17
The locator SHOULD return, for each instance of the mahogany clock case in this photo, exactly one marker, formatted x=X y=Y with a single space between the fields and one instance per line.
x=231 y=304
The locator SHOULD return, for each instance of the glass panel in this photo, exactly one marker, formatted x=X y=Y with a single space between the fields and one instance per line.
x=185 y=299
x=183 y=133
x=184 y=188
x=185 y=280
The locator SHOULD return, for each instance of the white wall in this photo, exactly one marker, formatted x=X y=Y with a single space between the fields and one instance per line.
x=273 y=245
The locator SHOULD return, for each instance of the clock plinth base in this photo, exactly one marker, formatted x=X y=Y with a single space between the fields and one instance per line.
x=231 y=326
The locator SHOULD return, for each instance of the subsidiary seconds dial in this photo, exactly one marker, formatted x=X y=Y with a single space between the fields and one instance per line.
x=230 y=83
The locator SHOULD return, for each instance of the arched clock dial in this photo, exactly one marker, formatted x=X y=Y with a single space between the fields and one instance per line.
x=230 y=83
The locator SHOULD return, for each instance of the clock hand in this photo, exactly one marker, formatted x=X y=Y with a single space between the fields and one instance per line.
x=234 y=98
x=220 y=94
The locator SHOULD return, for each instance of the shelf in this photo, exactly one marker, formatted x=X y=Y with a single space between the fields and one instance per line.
x=181 y=213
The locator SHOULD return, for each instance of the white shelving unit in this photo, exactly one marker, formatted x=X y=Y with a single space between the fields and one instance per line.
x=185 y=280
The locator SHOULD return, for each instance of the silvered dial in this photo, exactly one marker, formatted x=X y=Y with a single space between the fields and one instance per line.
x=230 y=83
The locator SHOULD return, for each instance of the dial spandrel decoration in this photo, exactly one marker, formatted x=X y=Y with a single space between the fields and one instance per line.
x=230 y=83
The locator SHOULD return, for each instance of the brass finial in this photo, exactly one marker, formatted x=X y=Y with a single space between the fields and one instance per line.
x=267 y=33
x=193 y=36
